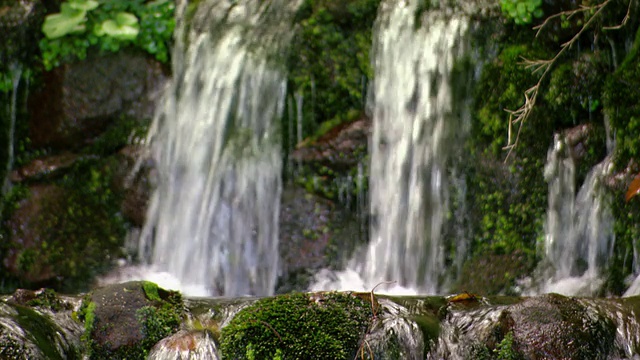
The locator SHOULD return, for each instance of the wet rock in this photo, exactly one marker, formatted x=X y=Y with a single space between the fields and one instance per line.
x=127 y=320
x=44 y=167
x=62 y=234
x=559 y=327
x=26 y=257
x=314 y=234
x=333 y=164
x=29 y=334
x=549 y=326
x=341 y=147
x=78 y=101
x=135 y=181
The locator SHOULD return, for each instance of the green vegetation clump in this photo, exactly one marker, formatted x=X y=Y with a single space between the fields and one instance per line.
x=107 y=26
x=329 y=61
x=522 y=12
x=48 y=299
x=297 y=326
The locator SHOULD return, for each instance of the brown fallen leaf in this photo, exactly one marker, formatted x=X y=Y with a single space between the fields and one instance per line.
x=634 y=188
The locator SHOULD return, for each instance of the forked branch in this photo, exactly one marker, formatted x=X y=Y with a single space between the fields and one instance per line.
x=519 y=117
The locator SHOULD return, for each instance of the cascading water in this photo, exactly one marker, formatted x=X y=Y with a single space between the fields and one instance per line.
x=213 y=219
x=417 y=122
x=579 y=228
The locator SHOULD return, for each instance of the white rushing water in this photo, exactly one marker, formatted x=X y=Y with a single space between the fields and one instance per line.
x=417 y=126
x=579 y=226
x=212 y=221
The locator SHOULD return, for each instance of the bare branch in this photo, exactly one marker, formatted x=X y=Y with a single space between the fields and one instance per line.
x=521 y=115
x=624 y=21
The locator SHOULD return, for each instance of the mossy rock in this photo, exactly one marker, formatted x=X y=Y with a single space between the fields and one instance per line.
x=124 y=321
x=298 y=326
x=559 y=327
x=27 y=333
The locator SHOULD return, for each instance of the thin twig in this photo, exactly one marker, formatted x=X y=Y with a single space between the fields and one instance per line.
x=531 y=95
x=272 y=329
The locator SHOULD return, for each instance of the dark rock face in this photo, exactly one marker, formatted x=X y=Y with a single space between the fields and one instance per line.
x=135 y=181
x=26 y=257
x=333 y=165
x=77 y=101
x=314 y=234
x=341 y=147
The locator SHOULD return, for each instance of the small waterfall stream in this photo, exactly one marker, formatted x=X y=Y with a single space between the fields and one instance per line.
x=16 y=73
x=417 y=122
x=212 y=222
x=579 y=226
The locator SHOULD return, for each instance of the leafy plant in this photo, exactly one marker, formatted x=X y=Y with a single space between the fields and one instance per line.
x=522 y=11
x=108 y=25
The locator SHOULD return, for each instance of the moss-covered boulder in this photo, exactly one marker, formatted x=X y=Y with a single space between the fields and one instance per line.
x=298 y=326
x=124 y=321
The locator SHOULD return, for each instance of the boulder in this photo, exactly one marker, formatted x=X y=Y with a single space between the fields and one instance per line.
x=78 y=101
x=124 y=321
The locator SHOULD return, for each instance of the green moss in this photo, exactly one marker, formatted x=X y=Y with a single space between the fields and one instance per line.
x=151 y=291
x=86 y=314
x=158 y=323
x=298 y=326
x=48 y=299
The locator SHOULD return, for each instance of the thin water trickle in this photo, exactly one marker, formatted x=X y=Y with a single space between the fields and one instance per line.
x=212 y=221
x=16 y=74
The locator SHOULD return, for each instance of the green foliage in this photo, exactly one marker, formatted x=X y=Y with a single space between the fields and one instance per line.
x=297 y=326
x=522 y=12
x=504 y=350
x=48 y=299
x=108 y=26
x=501 y=87
x=329 y=61
x=71 y=18
x=623 y=108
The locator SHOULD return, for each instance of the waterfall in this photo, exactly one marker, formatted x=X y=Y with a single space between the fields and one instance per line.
x=213 y=219
x=579 y=227
x=419 y=124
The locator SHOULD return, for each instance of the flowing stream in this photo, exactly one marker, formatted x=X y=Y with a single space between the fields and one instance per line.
x=579 y=226
x=418 y=122
x=213 y=219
